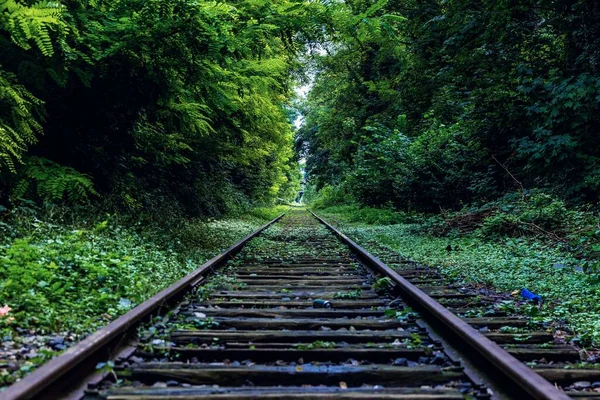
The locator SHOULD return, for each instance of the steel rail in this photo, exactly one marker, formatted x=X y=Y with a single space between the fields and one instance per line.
x=52 y=371
x=515 y=370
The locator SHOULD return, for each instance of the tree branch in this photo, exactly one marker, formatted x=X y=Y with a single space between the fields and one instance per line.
x=509 y=173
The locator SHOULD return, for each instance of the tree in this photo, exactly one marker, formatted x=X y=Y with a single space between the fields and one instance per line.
x=483 y=87
x=163 y=102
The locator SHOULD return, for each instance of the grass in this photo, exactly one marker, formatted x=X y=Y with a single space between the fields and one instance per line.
x=509 y=263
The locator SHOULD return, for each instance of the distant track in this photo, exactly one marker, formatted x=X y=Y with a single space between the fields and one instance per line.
x=256 y=334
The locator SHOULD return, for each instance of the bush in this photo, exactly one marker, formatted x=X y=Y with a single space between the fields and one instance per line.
x=328 y=196
x=377 y=216
x=267 y=213
x=440 y=168
x=530 y=213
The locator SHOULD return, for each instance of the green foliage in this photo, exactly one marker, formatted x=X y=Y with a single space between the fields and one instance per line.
x=402 y=315
x=350 y=294
x=74 y=276
x=523 y=215
x=53 y=183
x=164 y=104
x=184 y=322
x=438 y=168
x=210 y=129
x=267 y=213
x=77 y=276
x=18 y=127
x=326 y=197
x=554 y=269
x=367 y=215
x=433 y=105
x=218 y=282
x=383 y=285
x=32 y=24
x=318 y=344
x=19 y=108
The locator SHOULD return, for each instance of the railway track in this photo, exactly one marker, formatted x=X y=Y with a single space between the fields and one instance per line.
x=298 y=311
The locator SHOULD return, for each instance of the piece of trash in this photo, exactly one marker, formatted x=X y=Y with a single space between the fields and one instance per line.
x=536 y=298
x=124 y=304
x=319 y=303
x=343 y=385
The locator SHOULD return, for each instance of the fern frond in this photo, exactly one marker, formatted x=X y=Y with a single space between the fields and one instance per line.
x=33 y=23
x=52 y=182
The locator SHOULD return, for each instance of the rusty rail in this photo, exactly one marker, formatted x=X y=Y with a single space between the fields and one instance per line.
x=73 y=359
x=513 y=369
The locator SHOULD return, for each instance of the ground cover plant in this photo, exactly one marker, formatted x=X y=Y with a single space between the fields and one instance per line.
x=61 y=281
x=551 y=269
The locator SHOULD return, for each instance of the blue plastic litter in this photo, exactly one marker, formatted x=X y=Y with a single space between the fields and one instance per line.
x=536 y=298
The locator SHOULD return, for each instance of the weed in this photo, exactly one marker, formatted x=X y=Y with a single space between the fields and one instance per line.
x=351 y=294
x=383 y=285
x=318 y=344
x=415 y=341
x=402 y=315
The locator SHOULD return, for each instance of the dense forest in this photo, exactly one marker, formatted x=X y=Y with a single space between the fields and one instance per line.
x=464 y=135
x=421 y=105
x=150 y=105
x=434 y=104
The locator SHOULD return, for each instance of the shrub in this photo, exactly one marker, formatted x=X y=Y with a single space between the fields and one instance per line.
x=267 y=213
x=328 y=196
x=532 y=213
